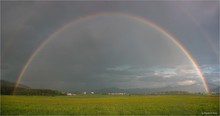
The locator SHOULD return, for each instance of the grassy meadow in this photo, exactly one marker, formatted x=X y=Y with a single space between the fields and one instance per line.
x=110 y=105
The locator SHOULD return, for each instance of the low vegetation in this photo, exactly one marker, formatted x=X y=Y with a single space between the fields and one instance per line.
x=110 y=105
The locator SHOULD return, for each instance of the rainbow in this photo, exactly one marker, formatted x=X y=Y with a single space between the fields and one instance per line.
x=137 y=18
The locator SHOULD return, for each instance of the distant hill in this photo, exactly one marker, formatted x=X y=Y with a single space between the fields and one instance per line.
x=166 y=89
x=141 y=90
x=215 y=90
x=11 y=84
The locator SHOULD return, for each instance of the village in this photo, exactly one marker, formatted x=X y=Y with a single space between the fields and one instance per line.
x=92 y=93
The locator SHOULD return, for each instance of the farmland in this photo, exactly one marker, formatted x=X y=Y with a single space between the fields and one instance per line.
x=110 y=105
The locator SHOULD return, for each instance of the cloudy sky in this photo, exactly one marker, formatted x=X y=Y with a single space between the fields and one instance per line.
x=105 y=51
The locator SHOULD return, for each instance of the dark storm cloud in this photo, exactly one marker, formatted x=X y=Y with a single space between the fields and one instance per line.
x=21 y=22
x=26 y=24
x=89 y=61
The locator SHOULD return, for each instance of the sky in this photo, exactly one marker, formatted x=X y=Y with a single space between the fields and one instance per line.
x=105 y=51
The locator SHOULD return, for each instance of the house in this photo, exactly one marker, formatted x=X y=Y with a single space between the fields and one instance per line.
x=70 y=94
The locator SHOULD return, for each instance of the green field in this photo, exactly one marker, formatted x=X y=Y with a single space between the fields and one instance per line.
x=110 y=105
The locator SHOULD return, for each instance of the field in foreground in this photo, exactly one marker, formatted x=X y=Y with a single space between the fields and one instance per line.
x=110 y=105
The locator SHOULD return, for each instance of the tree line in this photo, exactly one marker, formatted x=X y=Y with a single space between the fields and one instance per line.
x=9 y=90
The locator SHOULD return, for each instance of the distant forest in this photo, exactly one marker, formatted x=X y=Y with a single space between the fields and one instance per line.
x=7 y=88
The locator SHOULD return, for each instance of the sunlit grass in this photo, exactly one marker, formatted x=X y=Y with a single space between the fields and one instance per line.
x=110 y=105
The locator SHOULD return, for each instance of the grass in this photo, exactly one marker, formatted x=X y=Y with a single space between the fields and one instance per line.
x=110 y=105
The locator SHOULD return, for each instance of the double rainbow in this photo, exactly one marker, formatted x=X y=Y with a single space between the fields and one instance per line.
x=137 y=18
